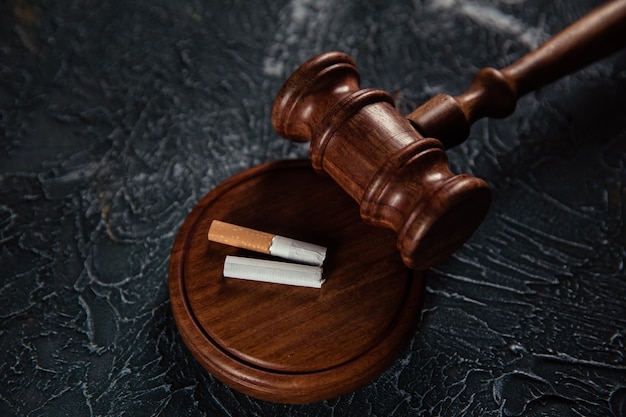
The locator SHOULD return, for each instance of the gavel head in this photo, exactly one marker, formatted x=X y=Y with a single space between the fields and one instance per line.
x=400 y=179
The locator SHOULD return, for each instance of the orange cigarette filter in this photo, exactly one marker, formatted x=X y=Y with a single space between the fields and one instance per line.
x=240 y=237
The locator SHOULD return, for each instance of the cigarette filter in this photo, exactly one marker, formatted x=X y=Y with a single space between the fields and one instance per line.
x=268 y=243
x=273 y=271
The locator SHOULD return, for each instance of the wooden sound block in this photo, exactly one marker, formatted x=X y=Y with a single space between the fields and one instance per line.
x=283 y=343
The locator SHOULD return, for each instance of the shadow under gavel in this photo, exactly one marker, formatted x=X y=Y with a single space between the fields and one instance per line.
x=392 y=165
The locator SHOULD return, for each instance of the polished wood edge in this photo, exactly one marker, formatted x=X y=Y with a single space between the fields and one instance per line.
x=267 y=384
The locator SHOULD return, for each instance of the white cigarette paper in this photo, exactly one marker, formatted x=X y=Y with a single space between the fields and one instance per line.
x=296 y=250
x=273 y=271
x=268 y=243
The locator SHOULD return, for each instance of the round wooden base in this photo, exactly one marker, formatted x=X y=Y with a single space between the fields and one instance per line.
x=283 y=343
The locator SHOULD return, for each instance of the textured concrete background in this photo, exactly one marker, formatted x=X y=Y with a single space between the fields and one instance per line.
x=116 y=117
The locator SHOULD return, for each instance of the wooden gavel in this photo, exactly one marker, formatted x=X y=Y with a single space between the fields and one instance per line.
x=391 y=165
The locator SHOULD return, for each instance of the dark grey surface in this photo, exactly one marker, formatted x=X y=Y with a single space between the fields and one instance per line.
x=117 y=117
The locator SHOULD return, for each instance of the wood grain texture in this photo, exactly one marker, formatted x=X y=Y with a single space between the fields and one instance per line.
x=283 y=343
x=400 y=179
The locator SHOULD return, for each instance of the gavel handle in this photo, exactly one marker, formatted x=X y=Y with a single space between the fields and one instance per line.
x=494 y=93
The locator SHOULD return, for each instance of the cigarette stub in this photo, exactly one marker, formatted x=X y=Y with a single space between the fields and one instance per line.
x=273 y=271
x=268 y=243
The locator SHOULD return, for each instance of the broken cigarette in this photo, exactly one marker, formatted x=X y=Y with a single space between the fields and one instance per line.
x=268 y=243
x=273 y=271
